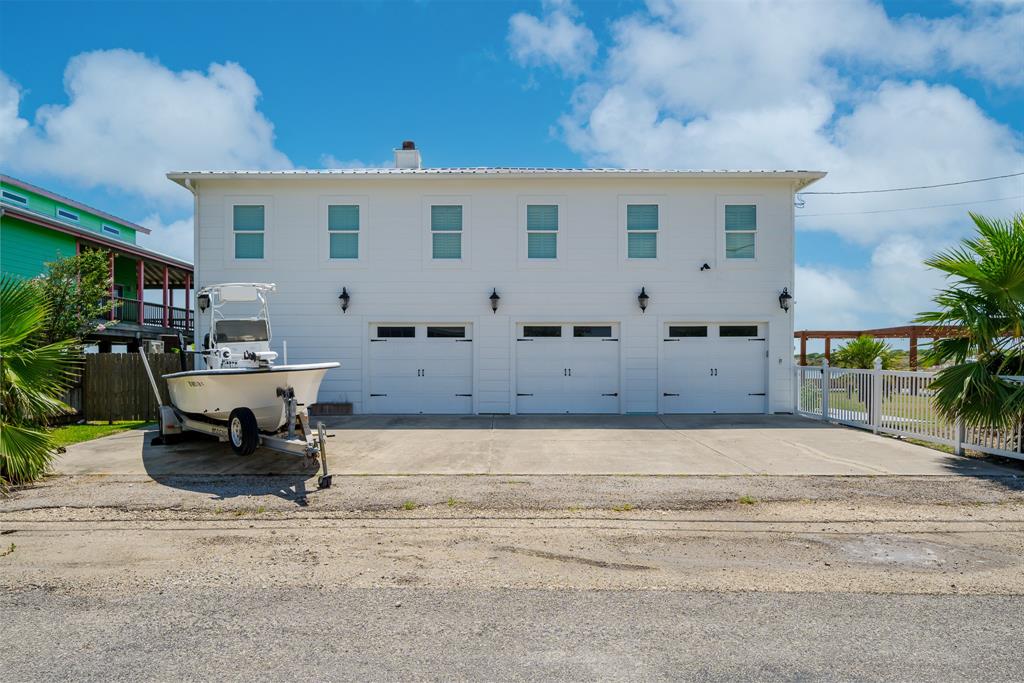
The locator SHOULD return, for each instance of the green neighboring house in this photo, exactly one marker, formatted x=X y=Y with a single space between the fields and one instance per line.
x=38 y=226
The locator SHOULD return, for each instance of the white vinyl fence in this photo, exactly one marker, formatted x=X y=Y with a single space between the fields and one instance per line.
x=897 y=402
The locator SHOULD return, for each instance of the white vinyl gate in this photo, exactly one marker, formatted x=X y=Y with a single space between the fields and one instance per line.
x=897 y=402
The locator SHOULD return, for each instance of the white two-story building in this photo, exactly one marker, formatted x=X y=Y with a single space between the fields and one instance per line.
x=517 y=290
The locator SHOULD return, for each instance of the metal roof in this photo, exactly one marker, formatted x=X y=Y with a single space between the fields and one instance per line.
x=805 y=178
x=29 y=187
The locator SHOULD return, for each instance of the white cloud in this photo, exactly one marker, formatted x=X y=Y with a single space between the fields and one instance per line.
x=891 y=289
x=331 y=161
x=11 y=125
x=129 y=120
x=174 y=238
x=555 y=39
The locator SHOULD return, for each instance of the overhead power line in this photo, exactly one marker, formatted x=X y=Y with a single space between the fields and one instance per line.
x=910 y=208
x=922 y=187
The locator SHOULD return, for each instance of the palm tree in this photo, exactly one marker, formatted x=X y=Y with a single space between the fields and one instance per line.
x=33 y=376
x=862 y=352
x=985 y=299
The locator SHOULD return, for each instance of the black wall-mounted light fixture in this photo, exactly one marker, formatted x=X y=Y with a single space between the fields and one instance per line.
x=784 y=299
x=643 y=299
x=344 y=298
x=705 y=267
x=203 y=301
x=494 y=300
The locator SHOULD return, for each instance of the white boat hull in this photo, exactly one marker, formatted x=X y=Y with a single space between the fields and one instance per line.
x=214 y=393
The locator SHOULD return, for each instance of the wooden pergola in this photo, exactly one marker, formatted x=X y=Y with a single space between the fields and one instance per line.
x=911 y=332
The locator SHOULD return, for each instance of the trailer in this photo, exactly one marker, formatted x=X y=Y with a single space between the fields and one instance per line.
x=296 y=438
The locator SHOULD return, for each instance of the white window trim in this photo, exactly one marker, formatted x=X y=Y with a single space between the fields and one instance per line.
x=324 y=238
x=15 y=202
x=722 y=200
x=623 y=242
x=110 y=229
x=523 y=241
x=72 y=217
x=467 y=231
x=230 y=202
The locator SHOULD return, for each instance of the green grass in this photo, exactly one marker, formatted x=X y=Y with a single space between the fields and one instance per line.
x=408 y=505
x=625 y=507
x=69 y=434
x=747 y=500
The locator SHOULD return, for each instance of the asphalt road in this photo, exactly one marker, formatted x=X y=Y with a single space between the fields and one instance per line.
x=410 y=634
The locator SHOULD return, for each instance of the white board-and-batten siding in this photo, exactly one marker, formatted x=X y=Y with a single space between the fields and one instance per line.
x=591 y=281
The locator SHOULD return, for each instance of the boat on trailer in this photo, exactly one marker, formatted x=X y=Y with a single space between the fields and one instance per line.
x=241 y=396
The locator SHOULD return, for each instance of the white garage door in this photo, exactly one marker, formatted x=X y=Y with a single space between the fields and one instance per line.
x=567 y=368
x=423 y=368
x=713 y=368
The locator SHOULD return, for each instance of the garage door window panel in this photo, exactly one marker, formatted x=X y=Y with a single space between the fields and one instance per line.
x=542 y=331
x=687 y=331
x=738 y=331
x=740 y=231
x=396 y=332
x=592 y=331
x=446 y=332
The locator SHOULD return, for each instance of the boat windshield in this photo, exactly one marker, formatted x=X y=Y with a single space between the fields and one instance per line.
x=241 y=331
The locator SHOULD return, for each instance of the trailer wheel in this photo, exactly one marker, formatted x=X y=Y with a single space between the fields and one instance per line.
x=243 y=431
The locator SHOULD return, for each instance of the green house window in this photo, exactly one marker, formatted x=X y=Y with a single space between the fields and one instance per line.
x=642 y=221
x=343 y=226
x=740 y=231
x=446 y=231
x=248 y=223
x=542 y=231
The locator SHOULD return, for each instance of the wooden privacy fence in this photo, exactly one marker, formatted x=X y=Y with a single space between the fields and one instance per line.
x=115 y=385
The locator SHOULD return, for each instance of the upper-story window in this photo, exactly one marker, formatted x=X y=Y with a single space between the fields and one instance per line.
x=740 y=231
x=343 y=227
x=248 y=224
x=111 y=230
x=66 y=215
x=642 y=231
x=15 y=198
x=446 y=231
x=542 y=231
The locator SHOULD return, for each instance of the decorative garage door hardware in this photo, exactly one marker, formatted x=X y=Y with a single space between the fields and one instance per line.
x=463 y=340
x=373 y=340
x=609 y=339
x=523 y=339
x=615 y=394
x=524 y=394
x=464 y=395
x=670 y=394
x=377 y=395
x=757 y=339
x=714 y=372
x=567 y=372
x=761 y=394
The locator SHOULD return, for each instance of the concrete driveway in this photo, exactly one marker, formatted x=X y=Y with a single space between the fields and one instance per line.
x=545 y=445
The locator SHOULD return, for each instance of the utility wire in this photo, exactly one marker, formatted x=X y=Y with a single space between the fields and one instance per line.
x=910 y=208
x=922 y=187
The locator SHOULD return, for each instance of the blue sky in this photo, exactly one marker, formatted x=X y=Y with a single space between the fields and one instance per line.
x=96 y=99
